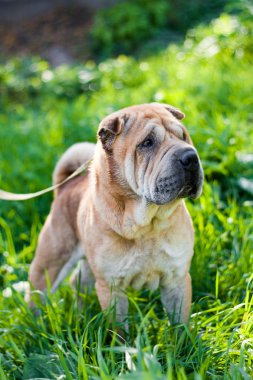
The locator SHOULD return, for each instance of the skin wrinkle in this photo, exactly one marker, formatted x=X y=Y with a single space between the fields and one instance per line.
x=129 y=163
x=185 y=136
x=146 y=168
x=136 y=154
x=160 y=162
x=145 y=171
x=135 y=121
x=148 y=175
x=142 y=139
x=131 y=119
x=157 y=129
x=136 y=168
x=176 y=129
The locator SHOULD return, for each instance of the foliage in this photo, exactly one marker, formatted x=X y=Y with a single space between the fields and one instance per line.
x=128 y=25
x=124 y=26
x=184 y=14
x=23 y=80
x=43 y=112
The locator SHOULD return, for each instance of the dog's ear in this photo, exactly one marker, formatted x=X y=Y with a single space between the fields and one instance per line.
x=175 y=111
x=109 y=130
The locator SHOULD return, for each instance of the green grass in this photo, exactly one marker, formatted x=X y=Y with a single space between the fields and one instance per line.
x=43 y=112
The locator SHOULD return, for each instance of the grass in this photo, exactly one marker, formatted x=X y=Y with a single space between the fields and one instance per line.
x=43 y=112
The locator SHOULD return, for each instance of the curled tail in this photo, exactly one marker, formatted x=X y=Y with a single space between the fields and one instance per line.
x=74 y=157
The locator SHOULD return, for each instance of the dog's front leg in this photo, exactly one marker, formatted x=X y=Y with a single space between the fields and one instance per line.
x=110 y=296
x=176 y=299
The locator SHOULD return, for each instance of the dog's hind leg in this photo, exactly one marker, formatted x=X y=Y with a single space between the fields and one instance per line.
x=82 y=276
x=76 y=256
x=82 y=280
x=56 y=253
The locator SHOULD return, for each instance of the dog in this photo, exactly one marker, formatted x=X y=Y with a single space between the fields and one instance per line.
x=125 y=219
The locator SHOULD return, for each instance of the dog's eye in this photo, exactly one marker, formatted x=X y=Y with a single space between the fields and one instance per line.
x=147 y=143
x=184 y=136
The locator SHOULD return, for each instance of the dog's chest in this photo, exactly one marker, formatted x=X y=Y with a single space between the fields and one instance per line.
x=147 y=263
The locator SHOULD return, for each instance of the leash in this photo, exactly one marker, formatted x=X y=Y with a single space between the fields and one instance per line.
x=6 y=196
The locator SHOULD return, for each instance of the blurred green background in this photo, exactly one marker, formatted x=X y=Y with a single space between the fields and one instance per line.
x=198 y=57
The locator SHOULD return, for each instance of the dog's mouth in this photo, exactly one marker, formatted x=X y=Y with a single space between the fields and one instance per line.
x=174 y=187
x=192 y=191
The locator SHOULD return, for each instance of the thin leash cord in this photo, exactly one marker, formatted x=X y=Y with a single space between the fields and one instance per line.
x=7 y=196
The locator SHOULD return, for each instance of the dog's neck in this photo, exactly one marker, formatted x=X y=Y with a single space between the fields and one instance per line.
x=130 y=216
x=142 y=217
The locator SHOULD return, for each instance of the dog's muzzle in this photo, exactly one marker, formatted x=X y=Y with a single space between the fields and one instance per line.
x=183 y=178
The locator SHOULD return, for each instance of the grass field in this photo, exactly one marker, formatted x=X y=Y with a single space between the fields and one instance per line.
x=43 y=111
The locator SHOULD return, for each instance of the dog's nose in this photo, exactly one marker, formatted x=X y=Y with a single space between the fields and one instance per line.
x=189 y=160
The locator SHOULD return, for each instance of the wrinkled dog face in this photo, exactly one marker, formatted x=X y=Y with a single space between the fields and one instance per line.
x=152 y=153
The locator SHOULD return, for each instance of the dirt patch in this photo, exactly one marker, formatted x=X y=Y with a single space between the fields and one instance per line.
x=59 y=36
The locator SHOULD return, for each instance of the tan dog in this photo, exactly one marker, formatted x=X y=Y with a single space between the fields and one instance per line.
x=126 y=217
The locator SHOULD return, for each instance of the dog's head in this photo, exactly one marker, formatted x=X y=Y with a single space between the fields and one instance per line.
x=150 y=153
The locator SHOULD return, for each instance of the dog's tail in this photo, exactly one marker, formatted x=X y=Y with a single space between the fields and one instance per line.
x=74 y=157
